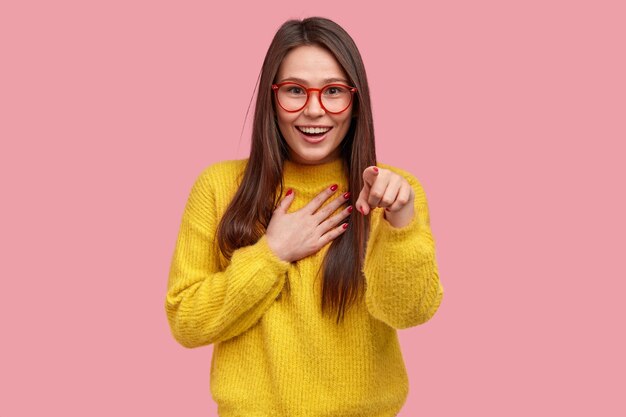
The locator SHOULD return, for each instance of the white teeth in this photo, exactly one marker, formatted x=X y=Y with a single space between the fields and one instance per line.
x=314 y=129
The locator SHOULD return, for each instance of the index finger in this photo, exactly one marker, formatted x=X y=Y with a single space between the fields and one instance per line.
x=319 y=199
x=370 y=174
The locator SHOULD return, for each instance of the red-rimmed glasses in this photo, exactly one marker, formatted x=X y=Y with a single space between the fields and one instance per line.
x=293 y=97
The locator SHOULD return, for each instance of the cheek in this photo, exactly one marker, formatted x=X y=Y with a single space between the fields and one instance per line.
x=345 y=119
x=285 y=121
x=345 y=124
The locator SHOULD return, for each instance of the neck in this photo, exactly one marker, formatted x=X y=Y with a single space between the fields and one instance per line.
x=317 y=176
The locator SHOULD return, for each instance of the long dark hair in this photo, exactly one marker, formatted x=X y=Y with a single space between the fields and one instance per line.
x=250 y=211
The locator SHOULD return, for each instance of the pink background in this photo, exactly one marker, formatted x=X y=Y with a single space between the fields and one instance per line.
x=512 y=114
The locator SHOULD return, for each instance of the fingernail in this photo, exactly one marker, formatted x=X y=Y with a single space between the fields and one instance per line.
x=387 y=208
x=333 y=187
x=375 y=169
x=289 y=191
x=349 y=209
x=362 y=212
x=346 y=195
x=345 y=226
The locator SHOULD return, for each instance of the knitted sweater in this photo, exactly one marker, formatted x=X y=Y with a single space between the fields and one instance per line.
x=274 y=353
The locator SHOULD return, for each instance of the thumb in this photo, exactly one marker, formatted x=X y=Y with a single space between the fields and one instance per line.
x=285 y=203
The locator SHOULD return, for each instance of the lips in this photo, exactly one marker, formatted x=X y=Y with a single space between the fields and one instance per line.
x=311 y=138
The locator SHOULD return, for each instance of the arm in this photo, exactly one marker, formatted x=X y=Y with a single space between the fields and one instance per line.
x=403 y=287
x=203 y=304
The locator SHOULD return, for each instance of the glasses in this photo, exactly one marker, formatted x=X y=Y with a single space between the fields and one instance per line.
x=293 y=97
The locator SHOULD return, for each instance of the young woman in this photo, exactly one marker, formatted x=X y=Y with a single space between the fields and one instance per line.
x=301 y=294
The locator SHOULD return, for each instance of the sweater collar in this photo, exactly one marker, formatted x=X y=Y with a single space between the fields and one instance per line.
x=314 y=176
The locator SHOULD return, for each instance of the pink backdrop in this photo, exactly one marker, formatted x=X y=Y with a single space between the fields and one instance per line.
x=511 y=115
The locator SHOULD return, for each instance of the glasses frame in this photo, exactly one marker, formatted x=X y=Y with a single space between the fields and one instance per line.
x=308 y=91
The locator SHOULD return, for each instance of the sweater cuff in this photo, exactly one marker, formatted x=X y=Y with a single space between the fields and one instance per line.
x=263 y=250
x=388 y=232
x=414 y=240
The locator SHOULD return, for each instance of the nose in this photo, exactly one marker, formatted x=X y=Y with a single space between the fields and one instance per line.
x=314 y=108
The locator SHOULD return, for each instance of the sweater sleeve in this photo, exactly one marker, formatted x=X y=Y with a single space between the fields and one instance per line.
x=402 y=278
x=207 y=305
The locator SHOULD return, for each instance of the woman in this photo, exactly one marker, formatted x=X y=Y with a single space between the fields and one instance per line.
x=301 y=294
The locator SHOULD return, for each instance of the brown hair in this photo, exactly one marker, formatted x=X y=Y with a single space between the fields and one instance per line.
x=250 y=211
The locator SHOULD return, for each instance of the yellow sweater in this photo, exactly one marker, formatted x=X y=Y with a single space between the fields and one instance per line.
x=278 y=356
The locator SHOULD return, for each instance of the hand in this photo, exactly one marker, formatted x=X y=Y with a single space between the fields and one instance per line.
x=385 y=188
x=293 y=236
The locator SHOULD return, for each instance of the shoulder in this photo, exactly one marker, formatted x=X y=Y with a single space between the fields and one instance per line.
x=214 y=185
x=222 y=173
x=225 y=168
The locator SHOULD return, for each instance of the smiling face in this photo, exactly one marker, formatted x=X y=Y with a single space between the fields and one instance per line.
x=312 y=66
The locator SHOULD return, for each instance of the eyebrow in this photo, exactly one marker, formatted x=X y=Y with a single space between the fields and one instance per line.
x=326 y=81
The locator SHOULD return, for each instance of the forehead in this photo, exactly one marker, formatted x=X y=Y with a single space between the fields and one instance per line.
x=311 y=63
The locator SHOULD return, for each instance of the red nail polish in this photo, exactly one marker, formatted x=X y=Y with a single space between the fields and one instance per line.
x=346 y=195
x=345 y=226
x=387 y=208
x=349 y=209
x=289 y=191
x=362 y=212
x=375 y=169
x=333 y=187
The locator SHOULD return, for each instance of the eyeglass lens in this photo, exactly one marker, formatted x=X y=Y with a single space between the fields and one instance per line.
x=335 y=98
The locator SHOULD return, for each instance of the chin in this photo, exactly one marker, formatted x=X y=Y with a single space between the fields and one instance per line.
x=314 y=157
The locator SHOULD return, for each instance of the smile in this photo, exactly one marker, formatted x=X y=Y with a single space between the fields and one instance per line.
x=313 y=134
x=313 y=130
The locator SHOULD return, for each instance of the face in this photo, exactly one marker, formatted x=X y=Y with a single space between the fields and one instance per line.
x=312 y=66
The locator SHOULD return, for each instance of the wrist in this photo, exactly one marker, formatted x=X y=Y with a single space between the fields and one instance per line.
x=277 y=251
x=400 y=218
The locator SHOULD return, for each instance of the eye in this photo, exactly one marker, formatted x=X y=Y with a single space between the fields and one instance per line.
x=335 y=90
x=295 y=90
